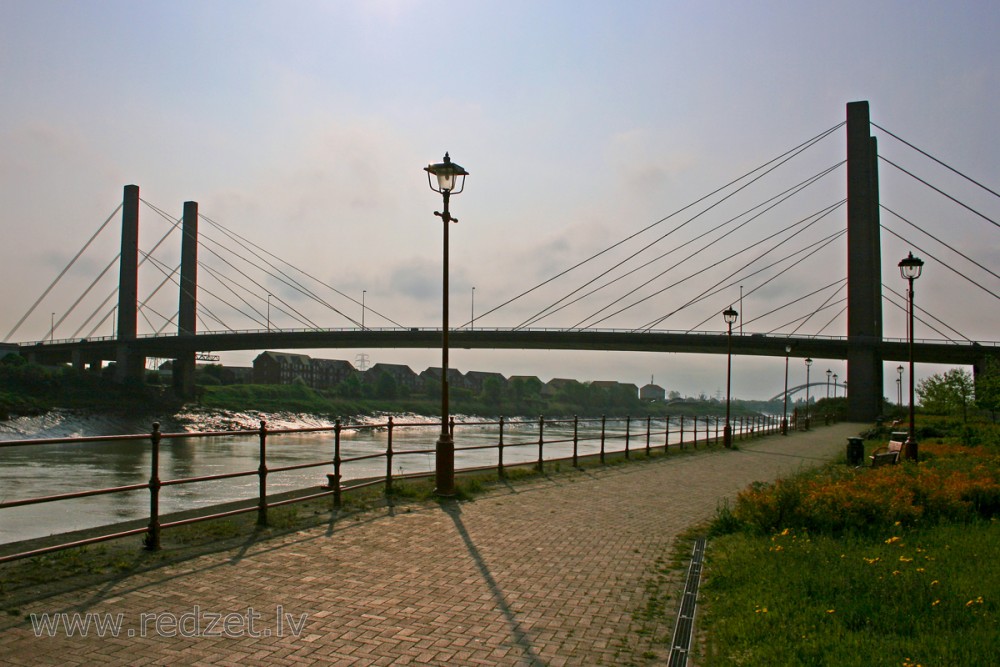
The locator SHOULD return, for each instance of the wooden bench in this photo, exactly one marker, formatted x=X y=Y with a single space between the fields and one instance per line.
x=889 y=455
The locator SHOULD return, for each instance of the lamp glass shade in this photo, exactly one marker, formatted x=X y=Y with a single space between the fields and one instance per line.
x=910 y=267
x=809 y=361
x=450 y=176
x=730 y=315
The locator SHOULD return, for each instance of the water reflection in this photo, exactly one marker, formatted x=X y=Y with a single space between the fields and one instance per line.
x=53 y=469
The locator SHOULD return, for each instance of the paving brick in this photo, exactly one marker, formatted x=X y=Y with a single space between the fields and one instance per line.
x=543 y=572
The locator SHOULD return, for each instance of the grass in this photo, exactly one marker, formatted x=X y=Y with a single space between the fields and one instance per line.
x=843 y=566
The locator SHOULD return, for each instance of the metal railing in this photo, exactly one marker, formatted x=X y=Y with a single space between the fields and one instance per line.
x=651 y=434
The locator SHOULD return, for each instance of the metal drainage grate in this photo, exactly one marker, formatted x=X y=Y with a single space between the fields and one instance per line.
x=681 y=643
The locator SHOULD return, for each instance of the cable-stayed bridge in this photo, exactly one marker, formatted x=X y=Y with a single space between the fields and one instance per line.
x=782 y=230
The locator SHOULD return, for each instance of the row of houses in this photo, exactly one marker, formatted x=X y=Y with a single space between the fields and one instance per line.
x=286 y=368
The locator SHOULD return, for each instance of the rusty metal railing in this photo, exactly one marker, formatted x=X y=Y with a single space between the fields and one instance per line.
x=693 y=432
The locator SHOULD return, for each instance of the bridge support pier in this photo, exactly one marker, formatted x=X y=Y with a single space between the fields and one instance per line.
x=129 y=366
x=864 y=273
x=187 y=325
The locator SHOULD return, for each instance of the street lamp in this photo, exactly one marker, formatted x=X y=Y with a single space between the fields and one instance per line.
x=835 y=385
x=828 y=373
x=52 y=329
x=269 y=313
x=910 y=268
x=899 y=384
x=363 y=292
x=730 y=316
x=784 y=412
x=809 y=362
x=449 y=179
x=472 y=321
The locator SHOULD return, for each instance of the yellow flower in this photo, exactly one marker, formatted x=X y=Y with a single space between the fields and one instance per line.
x=904 y=559
x=935 y=582
x=920 y=569
x=935 y=603
x=831 y=611
x=892 y=540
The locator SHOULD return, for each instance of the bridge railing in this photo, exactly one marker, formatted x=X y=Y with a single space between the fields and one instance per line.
x=550 y=440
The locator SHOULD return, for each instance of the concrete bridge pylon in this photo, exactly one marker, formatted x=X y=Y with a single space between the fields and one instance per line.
x=864 y=268
x=128 y=365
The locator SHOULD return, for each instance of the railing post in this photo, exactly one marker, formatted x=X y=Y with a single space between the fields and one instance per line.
x=708 y=425
x=388 y=459
x=262 y=476
x=451 y=427
x=628 y=427
x=666 y=434
x=576 y=440
x=335 y=482
x=694 y=433
x=682 y=432
x=500 y=472
x=648 y=433
x=604 y=422
x=153 y=532
x=541 y=443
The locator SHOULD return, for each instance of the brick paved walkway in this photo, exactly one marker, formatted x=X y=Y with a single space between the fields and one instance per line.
x=551 y=572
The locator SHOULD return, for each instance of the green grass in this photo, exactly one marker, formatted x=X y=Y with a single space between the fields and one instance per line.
x=842 y=566
x=910 y=596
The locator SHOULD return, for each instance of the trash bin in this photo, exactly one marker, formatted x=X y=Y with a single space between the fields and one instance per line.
x=855 y=451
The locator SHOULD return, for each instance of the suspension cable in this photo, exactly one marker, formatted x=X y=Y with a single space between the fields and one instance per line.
x=928 y=155
x=945 y=264
x=941 y=192
x=954 y=250
x=62 y=273
x=767 y=205
x=650 y=325
x=798 y=149
x=930 y=315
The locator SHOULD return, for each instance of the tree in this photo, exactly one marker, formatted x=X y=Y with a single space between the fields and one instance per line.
x=386 y=386
x=988 y=387
x=947 y=394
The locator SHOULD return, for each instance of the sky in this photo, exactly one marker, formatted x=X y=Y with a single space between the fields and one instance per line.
x=304 y=127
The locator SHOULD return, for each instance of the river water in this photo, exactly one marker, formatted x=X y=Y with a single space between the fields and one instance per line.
x=43 y=470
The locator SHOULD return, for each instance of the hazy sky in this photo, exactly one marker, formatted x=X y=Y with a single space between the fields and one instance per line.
x=304 y=126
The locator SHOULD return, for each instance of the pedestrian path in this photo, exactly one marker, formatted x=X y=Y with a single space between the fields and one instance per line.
x=549 y=572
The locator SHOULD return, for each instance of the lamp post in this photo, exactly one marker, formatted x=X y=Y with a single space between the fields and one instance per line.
x=472 y=320
x=52 y=328
x=809 y=362
x=449 y=179
x=835 y=385
x=269 y=313
x=784 y=411
x=910 y=268
x=828 y=373
x=363 y=292
x=899 y=385
x=730 y=316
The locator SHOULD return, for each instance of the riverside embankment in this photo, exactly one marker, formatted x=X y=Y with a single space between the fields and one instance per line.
x=557 y=571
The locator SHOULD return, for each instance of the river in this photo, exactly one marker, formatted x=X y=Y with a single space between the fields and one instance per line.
x=43 y=470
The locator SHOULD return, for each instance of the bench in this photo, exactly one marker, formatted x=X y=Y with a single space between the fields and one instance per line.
x=889 y=455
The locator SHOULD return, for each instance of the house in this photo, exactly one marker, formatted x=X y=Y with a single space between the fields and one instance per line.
x=402 y=374
x=282 y=368
x=475 y=380
x=330 y=372
x=433 y=376
x=556 y=385
x=652 y=392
